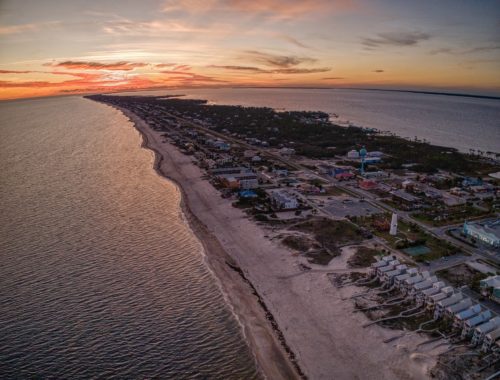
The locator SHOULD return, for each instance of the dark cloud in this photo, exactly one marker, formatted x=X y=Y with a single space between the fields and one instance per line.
x=333 y=78
x=297 y=70
x=161 y=65
x=378 y=71
x=240 y=68
x=395 y=39
x=188 y=77
x=283 y=61
x=477 y=49
x=286 y=70
x=86 y=65
x=14 y=72
x=295 y=41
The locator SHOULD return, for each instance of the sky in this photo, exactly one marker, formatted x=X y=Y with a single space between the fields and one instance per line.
x=57 y=47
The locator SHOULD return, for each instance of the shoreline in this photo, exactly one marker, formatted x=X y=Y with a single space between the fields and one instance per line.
x=280 y=309
x=242 y=295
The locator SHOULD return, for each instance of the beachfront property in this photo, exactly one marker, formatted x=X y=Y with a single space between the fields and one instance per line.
x=462 y=316
x=490 y=287
x=443 y=304
x=419 y=287
x=443 y=294
x=452 y=310
x=481 y=330
x=381 y=263
x=490 y=340
x=236 y=178
x=487 y=232
x=422 y=297
x=283 y=200
x=241 y=181
x=470 y=324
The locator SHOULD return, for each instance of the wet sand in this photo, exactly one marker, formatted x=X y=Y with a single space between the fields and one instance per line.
x=296 y=323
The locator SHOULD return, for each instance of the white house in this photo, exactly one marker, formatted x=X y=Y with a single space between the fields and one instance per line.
x=283 y=200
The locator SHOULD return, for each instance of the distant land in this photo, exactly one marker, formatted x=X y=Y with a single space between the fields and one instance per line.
x=380 y=89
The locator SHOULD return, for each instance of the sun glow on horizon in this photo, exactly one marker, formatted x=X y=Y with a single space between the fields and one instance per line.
x=88 y=47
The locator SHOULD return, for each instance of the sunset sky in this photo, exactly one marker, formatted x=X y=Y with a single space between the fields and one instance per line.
x=51 y=47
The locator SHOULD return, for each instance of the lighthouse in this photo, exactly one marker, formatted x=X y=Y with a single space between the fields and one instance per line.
x=394 y=225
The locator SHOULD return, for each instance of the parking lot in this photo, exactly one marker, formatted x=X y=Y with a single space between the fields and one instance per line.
x=341 y=207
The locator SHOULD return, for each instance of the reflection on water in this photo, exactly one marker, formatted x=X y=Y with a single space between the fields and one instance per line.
x=99 y=275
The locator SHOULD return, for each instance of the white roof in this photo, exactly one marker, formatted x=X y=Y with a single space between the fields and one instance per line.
x=488 y=326
x=461 y=306
x=455 y=298
x=425 y=284
x=493 y=335
x=387 y=268
x=379 y=264
x=414 y=279
x=469 y=313
x=438 y=285
x=430 y=292
x=478 y=319
x=393 y=273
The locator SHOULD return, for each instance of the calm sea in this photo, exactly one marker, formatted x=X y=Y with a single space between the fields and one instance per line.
x=460 y=122
x=100 y=277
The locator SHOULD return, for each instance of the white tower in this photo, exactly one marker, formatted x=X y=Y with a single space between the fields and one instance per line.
x=394 y=225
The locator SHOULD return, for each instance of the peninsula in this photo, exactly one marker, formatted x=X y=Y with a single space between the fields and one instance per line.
x=330 y=241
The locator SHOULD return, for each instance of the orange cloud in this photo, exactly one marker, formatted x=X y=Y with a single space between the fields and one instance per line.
x=279 y=9
x=84 y=65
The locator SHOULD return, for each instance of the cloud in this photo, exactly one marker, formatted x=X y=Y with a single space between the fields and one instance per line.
x=396 y=39
x=294 y=41
x=15 y=72
x=188 y=77
x=378 y=71
x=297 y=70
x=160 y=28
x=22 y=28
x=89 y=65
x=272 y=9
x=239 y=68
x=162 y=65
x=258 y=70
x=333 y=78
x=477 y=49
x=284 y=61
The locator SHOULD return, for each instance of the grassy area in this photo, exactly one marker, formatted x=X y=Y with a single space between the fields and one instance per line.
x=409 y=234
x=300 y=243
x=450 y=215
x=363 y=257
x=327 y=236
x=331 y=233
x=461 y=275
x=321 y=257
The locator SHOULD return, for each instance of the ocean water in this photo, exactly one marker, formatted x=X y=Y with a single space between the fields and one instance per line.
x=100 y=277
x=454 y=121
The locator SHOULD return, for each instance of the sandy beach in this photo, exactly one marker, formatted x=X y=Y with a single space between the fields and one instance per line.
x=280 y=307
